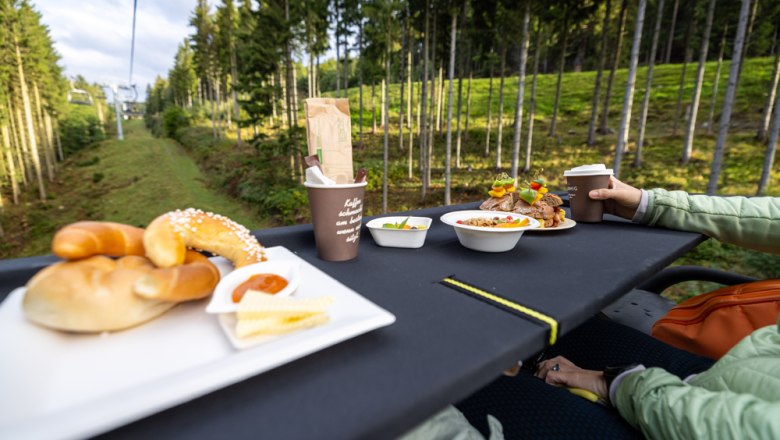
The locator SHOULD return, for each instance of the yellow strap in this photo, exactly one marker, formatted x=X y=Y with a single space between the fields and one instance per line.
x=512 y=305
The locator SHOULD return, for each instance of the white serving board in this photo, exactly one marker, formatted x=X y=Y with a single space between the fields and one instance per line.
x=57 y=385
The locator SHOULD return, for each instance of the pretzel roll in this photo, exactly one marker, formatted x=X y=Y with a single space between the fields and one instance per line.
x=196 y=279
x=168 y=236
x=91 y=295
x=85 y=239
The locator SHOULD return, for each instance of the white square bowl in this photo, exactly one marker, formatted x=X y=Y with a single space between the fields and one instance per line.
x=486 y=239
x=400 y=238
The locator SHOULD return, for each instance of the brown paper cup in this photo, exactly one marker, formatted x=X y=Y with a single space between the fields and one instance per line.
x=337 y=211
x=583 y=208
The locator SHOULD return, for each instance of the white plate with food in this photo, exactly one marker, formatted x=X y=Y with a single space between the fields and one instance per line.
x=565 y=224
x=69 y=385
x=489 y=231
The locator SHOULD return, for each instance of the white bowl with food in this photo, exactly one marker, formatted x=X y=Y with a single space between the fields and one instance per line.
x=280 y=278
x=400 y=231
x=489 y=231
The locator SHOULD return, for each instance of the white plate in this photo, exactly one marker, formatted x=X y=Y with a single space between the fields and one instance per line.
x=62 y=385
x=567 y=224
x=222 y=299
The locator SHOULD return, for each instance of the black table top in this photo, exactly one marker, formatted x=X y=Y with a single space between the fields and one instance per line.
x=443 y=346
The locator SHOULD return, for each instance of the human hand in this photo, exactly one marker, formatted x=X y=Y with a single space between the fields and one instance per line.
x=560 y=371
x=619 y=198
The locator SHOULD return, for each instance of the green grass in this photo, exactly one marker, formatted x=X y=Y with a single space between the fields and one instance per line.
x=143 y=177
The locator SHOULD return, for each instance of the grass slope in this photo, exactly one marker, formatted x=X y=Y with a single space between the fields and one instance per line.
x=130 y=182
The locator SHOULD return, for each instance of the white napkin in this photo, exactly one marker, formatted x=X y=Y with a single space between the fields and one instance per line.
x=314 y=175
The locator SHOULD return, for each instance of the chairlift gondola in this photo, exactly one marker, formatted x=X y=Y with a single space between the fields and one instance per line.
x=79 y=96
x=131 y=108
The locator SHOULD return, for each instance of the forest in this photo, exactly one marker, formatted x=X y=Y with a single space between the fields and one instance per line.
x=443 y=95
x=247 y=68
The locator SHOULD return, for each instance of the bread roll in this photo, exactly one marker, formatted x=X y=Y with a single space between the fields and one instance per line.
x=195 y=279
x=167 y=238
x=85 y=239
x=91 y=295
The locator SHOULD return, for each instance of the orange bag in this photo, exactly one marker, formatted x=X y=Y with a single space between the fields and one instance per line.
x=711 y=323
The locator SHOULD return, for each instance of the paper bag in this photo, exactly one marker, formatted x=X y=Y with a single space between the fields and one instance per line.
x=329 y=136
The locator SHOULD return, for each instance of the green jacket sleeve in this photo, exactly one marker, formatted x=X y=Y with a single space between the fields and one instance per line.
x=752 y=222
x=663 y=406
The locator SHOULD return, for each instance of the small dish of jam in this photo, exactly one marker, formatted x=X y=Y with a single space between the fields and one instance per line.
x=279 y=278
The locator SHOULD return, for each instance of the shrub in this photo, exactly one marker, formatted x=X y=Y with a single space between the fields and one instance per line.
x=174 y=118
x=79 y=128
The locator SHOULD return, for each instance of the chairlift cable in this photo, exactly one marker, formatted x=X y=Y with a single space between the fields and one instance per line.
x=132 y=44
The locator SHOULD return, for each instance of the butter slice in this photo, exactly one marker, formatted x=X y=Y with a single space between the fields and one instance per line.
x=276 y=325
x=259 y=312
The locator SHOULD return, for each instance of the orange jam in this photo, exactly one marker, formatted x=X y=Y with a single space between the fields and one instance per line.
x=264 y=282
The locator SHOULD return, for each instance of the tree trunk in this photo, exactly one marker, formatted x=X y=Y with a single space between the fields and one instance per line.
x=402 y=82
x=688 y=146
x=489 y=105
x=440 y=98
x=430 y=144
x=728 y=103
x=468 y=100
x=648 y=85
x=748 y=33
x=460 y=87
x=46 y=143
x=317 y=78
x=386 y=119
x=520 y=91
x=373 y=107
x=681 y=87
x=360 y=82
x=628 y=98
x=716 y=81
x=233 y=80
x=768 y=106
x=9 y=158
x=603 y=127
x=668 y=54
x=500 y=134
x=771 y=148
x=213 y=109
x=30 y=128
x=532 y=102
x=23 y=149
x=219 y=107
x=346 y=67
x=594 y=108
x=101 y=118
x=338 y=47
x=383 y=98
x=561 y=65
x=274 y=87
x=50 y=134
x=409 y=56
x=59 y=141
x=423 y=100
x=409 y=103
x=450 y=76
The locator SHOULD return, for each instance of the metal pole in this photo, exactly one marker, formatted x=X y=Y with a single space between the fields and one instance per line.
x=117 y=111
